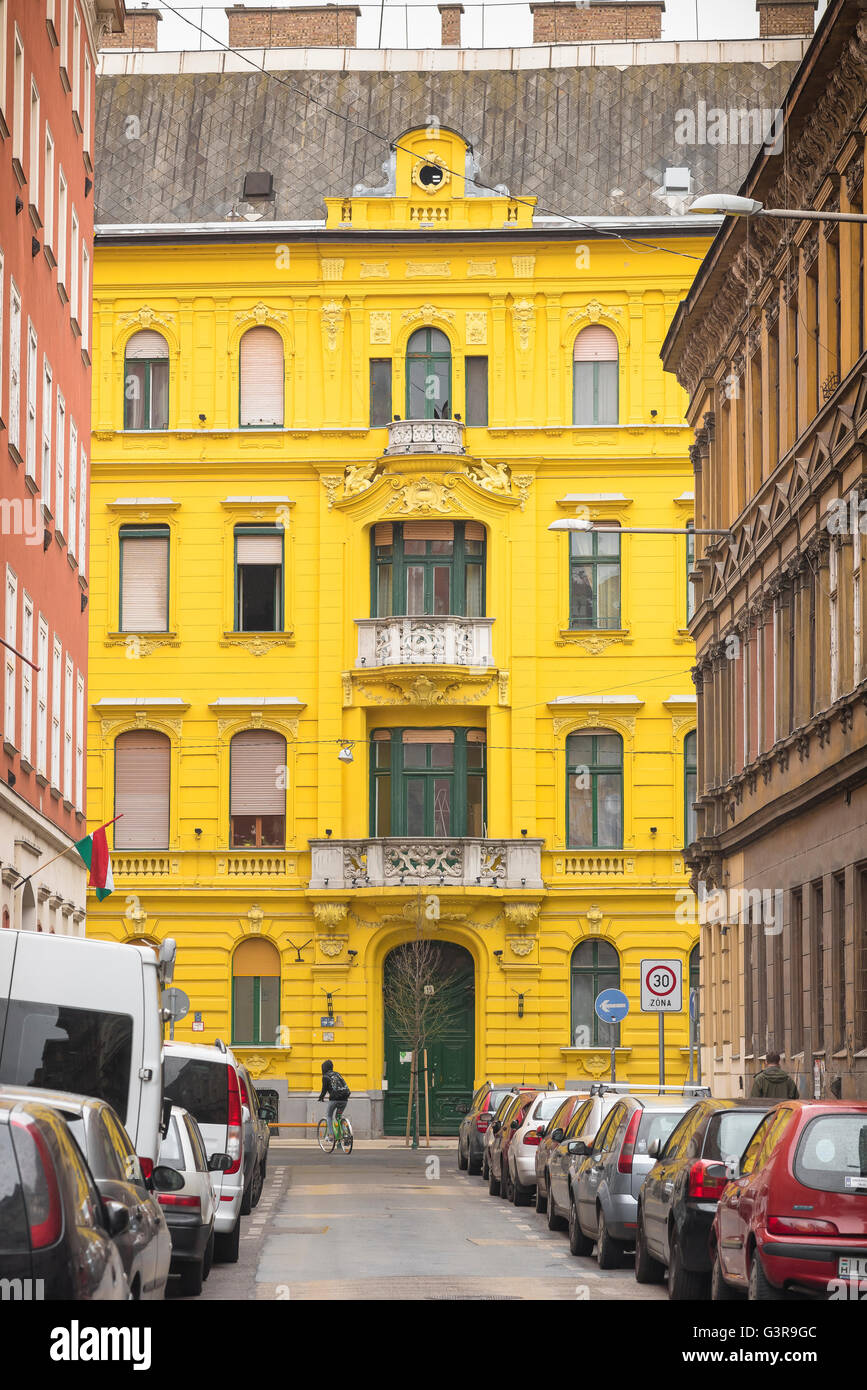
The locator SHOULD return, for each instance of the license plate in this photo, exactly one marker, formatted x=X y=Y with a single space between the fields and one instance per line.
x=852 y=1267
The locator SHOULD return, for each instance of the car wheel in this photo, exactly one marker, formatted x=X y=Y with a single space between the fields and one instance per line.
x=209 y=1256
x=541 y=1199
x=486 y=1169
x=247 y=1199
x=493 y=1183
x=720 y=1291
x=647 y=1269
x=463 y=1161
x=505 y=1181
x=555 y=1222
x=579 y=1244
x=609 y=1252
x=227 y=1247
x=192 y=1277
x=520 y=1194
x=760 y=1289
x=474 y=1164
x=258 y=1184
x=683 y=1283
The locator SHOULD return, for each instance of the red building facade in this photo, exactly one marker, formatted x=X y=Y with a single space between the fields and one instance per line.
x=48 y=56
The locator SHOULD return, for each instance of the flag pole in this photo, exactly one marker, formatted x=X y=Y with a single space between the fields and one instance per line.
x=21 y=882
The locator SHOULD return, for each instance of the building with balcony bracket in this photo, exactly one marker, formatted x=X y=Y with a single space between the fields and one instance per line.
x=346 y=683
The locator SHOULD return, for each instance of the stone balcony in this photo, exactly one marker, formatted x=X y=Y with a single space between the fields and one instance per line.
x=425 y=437
x=451 y=863
x=439 y=641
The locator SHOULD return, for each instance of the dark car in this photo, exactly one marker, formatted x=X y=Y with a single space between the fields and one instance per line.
x=550 y=1135
x=144 y=1244
x=257 y=1137
x=492 y=1130
x=474 y=1125
x=678 y=1199
x=57 y=1235
x=504 y=1127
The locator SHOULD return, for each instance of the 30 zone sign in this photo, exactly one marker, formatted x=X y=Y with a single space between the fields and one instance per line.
x=661 y=986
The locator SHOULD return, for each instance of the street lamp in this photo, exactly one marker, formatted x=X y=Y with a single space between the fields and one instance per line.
x=731 y=205
x=580 y=523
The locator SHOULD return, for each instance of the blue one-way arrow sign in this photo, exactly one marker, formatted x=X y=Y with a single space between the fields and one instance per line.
x=612 y=1005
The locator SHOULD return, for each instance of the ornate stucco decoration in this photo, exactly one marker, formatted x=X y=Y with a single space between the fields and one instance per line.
x=261 y=315
x=681 y=721
x=108 y=726
x=593 y=312
x=380 y=326
x=331 y=945
x=146 y=317
x=332 y=323
x=137 y=646
x=257 y=1065
x=477 y=326
x=422 y=496
x=594 y=1063
x=493 y=477
x=332 y=267
x=331 y=482
x=260 y=645
x=428 y=270
x=239 y=723
x=593 y=646
x=330 y=915
x=373 y=270
x=427 y=313
x=481 y=270
x=424 y=689
x=522 y=915
x=357 y=477
x=503 y=687
x=521 y=945
x=255 y=917
x=522 y=482
x=523 y=267
x=430 y=158
x=524 y=322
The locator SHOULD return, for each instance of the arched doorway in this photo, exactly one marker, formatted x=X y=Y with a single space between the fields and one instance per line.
x=450 y=971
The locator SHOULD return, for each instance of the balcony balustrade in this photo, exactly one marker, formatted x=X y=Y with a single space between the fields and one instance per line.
x=425 y=640
x=449 y=863
x=425 y=437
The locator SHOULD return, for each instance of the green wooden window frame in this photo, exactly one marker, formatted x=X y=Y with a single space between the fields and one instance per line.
x=260 y=1038
x=428 y=353
x=393 y=557
x=594 y=767
x=280 y=580
x=391 y=767
x=690 y=785
x=148 y=363
x=138 y=533
x=601 y=975
x=594 y=561
x=594 y=370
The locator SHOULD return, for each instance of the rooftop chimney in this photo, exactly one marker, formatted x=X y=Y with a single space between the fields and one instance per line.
x=786 y=18
x=301 y=26
x=597 y=21
x=451 y=22
x=139 y=31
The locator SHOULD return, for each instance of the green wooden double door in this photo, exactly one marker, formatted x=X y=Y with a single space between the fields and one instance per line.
x=450 y=1055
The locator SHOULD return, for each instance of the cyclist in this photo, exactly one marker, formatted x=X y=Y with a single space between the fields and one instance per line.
x=337 y=1092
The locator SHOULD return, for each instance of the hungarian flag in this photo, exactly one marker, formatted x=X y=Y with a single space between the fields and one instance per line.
x=94 y=851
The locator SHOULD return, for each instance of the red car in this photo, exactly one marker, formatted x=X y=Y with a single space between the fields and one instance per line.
x=796 y=1216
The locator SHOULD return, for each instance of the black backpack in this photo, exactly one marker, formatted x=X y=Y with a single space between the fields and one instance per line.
x=338 y=1089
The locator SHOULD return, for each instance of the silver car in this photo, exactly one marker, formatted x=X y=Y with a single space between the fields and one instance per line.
x=521 y=1160
x=584 y=1124
x=607 y=1174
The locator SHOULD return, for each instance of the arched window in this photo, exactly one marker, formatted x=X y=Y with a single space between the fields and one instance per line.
x=690 y=788
x=595 y=377
x=428 y=376
x=594 y=795
x=595 y=966
x=142 y=762
x=262 y=379
x=257 y=799
x=146 y=382
x=255 y=993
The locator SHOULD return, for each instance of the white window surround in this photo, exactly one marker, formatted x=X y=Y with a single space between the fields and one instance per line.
x=48 y=191
x=9 y=658
x=33 y=186
x=26 y=677
x=15 y=366
x=47 y=432
x=170 y=703
x=68 y=727
x=30 y=427
x=42 y=698
x=56 y=697
x=685 y=702
x=79 y=742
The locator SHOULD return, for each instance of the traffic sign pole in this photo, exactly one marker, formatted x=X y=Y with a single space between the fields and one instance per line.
x=661 y=1050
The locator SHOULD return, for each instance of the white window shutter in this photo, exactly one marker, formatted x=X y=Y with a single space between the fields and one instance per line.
x=262 y=377
x=144 y=584
x=142 y=761
x=258 y=775
x=259 y=550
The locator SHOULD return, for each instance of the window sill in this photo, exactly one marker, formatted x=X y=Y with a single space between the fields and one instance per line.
x=61 y=292
x=9 y=747
x=26 y=764
x=41 y=779
x=52 y=33
x=608 y=635
x=600 y=1047
x=31 y=484
x=13 y=449
x=75 y=326
x=49 y=256
x=85 y=357
x=55 y=792
x=64 y=78
x=18 y=171
x=140 y=632
x=33 y=212
x=59 y=536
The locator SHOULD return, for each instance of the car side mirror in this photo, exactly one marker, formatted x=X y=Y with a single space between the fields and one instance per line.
x=653 y=1149
x=116 y=1216
x=542 y=1131
x=578 y=1148
x=496 y=1127
x=733 y=1168
x=167 y=1179
x=557 y=1136
x=515 y=1124
x=219 y=1163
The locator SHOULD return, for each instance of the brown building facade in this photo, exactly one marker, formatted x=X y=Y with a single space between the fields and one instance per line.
x=770 y=343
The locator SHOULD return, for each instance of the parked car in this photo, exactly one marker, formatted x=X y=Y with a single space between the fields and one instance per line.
x=608 y=1172
x=144 y=1243
x=795 y=1215
x=677 y=1202
x=504 y=1128
x=86 y=1017
x=185 y=1190
x=550 y=1135
x=521 y=1152
x=492 y=1131
x=257 y=1137
x=582 y=1128
x=474 y=1125
x=58 y=1236
x=205 y=1081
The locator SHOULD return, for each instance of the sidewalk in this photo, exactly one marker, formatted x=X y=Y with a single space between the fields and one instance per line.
x=388 y=1143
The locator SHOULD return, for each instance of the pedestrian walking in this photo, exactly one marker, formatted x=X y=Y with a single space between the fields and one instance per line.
x=774 y=1082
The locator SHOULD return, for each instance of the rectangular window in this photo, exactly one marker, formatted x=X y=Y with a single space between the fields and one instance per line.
x=817 y=963
x=749 y=985
x=56 y=697
x=142 y=784
x=32 y=362
x=257 y=801
x=47 y=420
x=255 y=1009
x=60 y=465
x=62 y=215
x=74 y=259
x=26 y=678
x=838 y=961
x=42 y=699
x=594 y=579
x=144 y=579
x=9 y=657
x=48 y=191
x=86 y=103
x=258 y=578
x=477 y=390
x=72 y=488
x=79 y=742
x=428 y=782
x=380 y=392
x=76 y=60
x=35 y=141
x=594 y=791
x=64 y=34
x=431 y=568
x=81 y=552
x=18 y=100
x=15 y=368
x=796 y=971
x=68 y=729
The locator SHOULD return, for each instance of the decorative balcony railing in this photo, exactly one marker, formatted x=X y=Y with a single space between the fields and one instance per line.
x=596 y=862
x=425 y=437
x=407 y=641
x=143 y=865
x=254 y=864
x=451 y=863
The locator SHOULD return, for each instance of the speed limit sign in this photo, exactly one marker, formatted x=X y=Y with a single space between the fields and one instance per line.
x=661 y=986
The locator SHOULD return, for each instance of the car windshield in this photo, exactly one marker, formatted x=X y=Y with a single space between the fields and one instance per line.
x=199 y=1086
x=54 y=1046
x=171 y=1150
x=496 y=1100
x=546 y=1107
x=832 y=1154
x=729 y=1132
x=655 y=1124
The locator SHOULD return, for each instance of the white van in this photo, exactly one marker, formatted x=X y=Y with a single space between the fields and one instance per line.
x=86 y=1016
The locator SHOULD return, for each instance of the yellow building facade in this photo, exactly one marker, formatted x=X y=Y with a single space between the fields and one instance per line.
x=345 y=680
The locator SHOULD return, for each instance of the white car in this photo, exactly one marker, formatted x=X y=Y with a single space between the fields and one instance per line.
x=521 y=1159
x=204 y=1080
x=185 y=1189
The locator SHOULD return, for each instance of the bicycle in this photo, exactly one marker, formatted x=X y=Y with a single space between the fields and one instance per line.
x=342 y=1134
